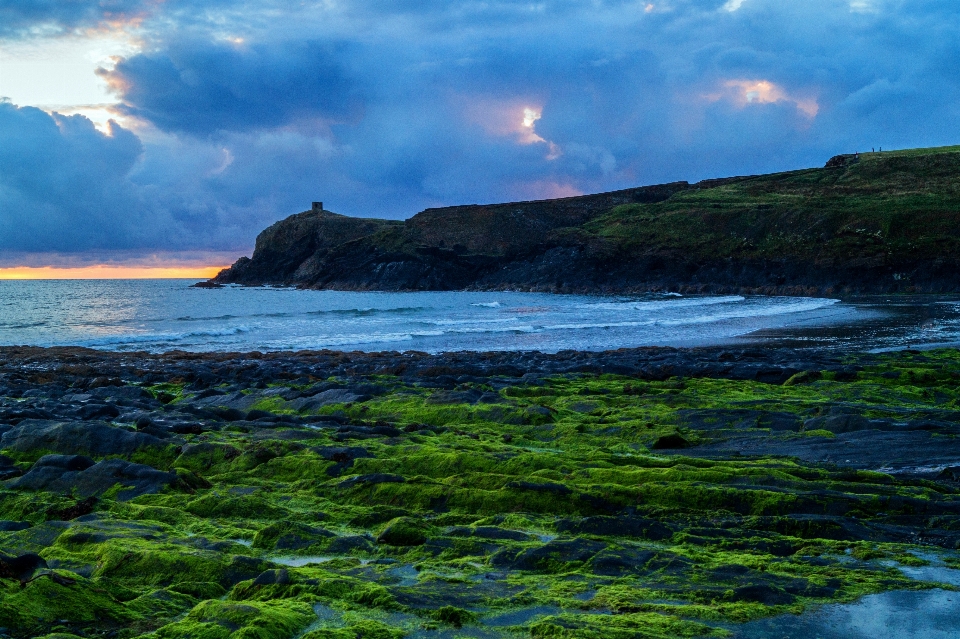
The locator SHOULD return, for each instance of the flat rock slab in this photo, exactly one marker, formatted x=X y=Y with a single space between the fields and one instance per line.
x=911 y=452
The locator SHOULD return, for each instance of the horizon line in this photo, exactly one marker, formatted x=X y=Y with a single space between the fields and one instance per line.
x=108 y=272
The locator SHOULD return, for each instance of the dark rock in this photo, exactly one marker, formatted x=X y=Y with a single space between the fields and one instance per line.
x=98 y=411
x=471 y=396
x=242 y=568
x=673 y=441
x=71 y=438
x=185 y=428
x=543 y=487
x=350 y=544
x=951 y=473
x=21 y=567
x=843 y=423
x=112 y=393
x=762 y=593
x=290 y=535
x=7 y=468
x=341 y=454
x=73 y=474
x=272 y=577
x=621 y=561
x=327 y=398
x=550 y=556
x=78 y=509
x=12 y=526
x=622 y=526
x=404 y=531
x=227 y=414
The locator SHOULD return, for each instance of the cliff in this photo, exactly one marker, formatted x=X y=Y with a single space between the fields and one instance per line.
x=885 y=222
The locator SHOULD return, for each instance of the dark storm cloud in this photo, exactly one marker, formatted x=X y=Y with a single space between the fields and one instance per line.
x=201 y=88
x=384 y=108
x=66 y=187
x=63 y=183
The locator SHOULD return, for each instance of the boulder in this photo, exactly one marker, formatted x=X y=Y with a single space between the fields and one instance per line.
x=76 y=438
x=290 y=535
x=619 y=526
x=620 y=561
x=840 y=423
x=404 y=531
x=328 y=397
x=554 y=554
x=75 y=474
x=21 y=567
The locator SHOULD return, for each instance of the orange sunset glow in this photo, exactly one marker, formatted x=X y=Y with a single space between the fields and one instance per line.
x=108 y=272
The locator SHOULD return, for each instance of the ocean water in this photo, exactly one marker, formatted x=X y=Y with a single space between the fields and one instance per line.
x=162 y=315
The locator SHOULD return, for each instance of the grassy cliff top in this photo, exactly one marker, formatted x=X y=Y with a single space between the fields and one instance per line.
x=872 y=206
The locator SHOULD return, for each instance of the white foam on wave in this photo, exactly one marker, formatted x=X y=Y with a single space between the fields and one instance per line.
x=753 y=311
x=458 y=322
x=331 y=341
x=161 y=338
x=487 y=304
x=654 y=305
x=517 y=328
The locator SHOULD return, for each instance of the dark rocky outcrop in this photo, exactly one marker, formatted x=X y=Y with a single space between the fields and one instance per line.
x=864 y=223
x=71 y=438
x=291 y=250
x=74 y=474
x=439 y=248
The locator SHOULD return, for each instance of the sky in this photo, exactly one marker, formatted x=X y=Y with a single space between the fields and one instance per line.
x=168 y=133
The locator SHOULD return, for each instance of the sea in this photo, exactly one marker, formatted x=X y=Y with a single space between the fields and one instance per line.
x=165 y=315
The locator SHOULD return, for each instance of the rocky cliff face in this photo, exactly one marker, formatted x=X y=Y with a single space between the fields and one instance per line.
x=871 y=223
x=285 y=251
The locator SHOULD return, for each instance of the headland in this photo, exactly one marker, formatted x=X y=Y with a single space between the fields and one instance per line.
x=865 y=223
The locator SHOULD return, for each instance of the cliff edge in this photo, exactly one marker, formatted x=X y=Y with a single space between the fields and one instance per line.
x=867 y=223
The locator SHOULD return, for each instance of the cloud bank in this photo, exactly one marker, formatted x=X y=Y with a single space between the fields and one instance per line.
x=240 y=113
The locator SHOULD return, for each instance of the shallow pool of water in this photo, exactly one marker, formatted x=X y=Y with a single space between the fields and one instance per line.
x=296 y=562
x=921 y=614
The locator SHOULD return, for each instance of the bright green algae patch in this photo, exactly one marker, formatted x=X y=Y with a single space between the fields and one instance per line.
x=566 y=507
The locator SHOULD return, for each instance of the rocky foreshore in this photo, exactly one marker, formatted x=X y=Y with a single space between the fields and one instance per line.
x=652 y=492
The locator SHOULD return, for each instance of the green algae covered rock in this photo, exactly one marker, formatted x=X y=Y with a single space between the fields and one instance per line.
x=234 y=620
x=290 y=536
x=57 y=598
x=509 y=526
x=404 y=531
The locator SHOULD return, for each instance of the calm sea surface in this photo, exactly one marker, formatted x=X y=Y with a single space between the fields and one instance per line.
x=159 y=315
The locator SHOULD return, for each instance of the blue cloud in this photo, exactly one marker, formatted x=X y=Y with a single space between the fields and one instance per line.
x=201 y=89
x=25 y=15
x=63 y=183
